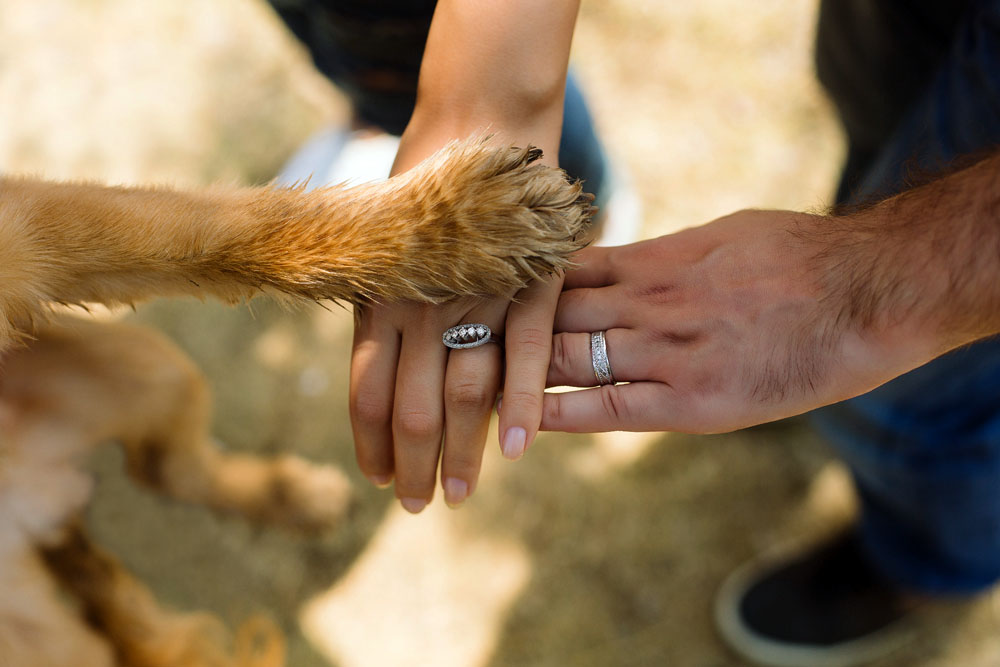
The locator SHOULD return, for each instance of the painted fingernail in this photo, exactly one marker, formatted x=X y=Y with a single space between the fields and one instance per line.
x=381 y=481
x=413 y=505
x=513 y=443
x=455 y=491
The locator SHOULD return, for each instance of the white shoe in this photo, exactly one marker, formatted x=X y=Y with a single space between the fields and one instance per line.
x=337 y=155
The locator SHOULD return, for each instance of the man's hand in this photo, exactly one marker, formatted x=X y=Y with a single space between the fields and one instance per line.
x=745 y=320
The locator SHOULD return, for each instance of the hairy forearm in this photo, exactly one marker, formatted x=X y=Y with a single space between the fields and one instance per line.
x=923 y=266
x=492 y=66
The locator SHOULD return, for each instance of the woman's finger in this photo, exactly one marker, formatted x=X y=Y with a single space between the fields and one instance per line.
x=471 y=384
x=372 y=381
x=418 y=411
x=528 y=348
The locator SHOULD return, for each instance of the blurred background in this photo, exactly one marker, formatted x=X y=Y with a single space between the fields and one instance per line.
x=592 y=550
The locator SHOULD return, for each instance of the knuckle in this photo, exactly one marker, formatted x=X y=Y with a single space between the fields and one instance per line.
x=615 y=260
x=464 y=463
x=369 y=410
x=372 y=461
x=562 y=356
x=614 y=404
x=468 y=396
x=533 y=342
x=416 y=424
x=522 y=399
x=552 y=410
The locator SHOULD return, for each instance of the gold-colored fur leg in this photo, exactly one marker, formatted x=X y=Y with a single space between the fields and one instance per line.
x=97 y=382
x=80 y=383
x=475 y=219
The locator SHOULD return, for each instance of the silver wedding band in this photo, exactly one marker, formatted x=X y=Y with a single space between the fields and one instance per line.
x=599 y=358
x=464 y=336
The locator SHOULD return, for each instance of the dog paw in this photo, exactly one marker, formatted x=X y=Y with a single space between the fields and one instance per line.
x=504 y=217
x=476 y=219
x=308 y=496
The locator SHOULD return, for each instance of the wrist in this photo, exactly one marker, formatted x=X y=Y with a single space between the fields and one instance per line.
x=432 y=126
x=919 y=272
x=940 y=244
x=876 y=287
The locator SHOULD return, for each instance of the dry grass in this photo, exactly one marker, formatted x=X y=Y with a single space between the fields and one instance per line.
x=600 y=550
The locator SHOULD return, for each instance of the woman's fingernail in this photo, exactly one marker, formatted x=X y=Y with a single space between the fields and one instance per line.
x=513 y=443
x=455 y=491
x=413 y=505
x=381 y=481
x=499 y=404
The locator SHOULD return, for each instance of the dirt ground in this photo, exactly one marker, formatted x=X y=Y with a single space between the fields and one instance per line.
x=593 y=550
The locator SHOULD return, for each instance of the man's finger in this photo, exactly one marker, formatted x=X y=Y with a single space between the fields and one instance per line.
x=640 y=406
x=572 y=363
x=593 y=269
x=591 y=309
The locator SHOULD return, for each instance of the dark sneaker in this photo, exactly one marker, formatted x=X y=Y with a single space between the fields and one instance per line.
x=827 y=608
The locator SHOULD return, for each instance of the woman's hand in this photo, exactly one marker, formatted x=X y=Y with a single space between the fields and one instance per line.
x=414 y=401
x=501 y=68
x=400 y=373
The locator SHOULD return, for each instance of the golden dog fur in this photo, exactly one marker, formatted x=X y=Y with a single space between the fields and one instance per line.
x=475 y=219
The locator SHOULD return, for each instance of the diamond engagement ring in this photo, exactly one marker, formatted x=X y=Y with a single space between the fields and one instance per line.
x=599 y=358
x=465 y=336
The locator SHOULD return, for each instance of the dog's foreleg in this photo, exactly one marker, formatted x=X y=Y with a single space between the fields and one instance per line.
x=475 y=219
x=101 y=382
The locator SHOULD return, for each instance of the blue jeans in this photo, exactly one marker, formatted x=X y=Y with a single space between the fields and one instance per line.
x=924 y=449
